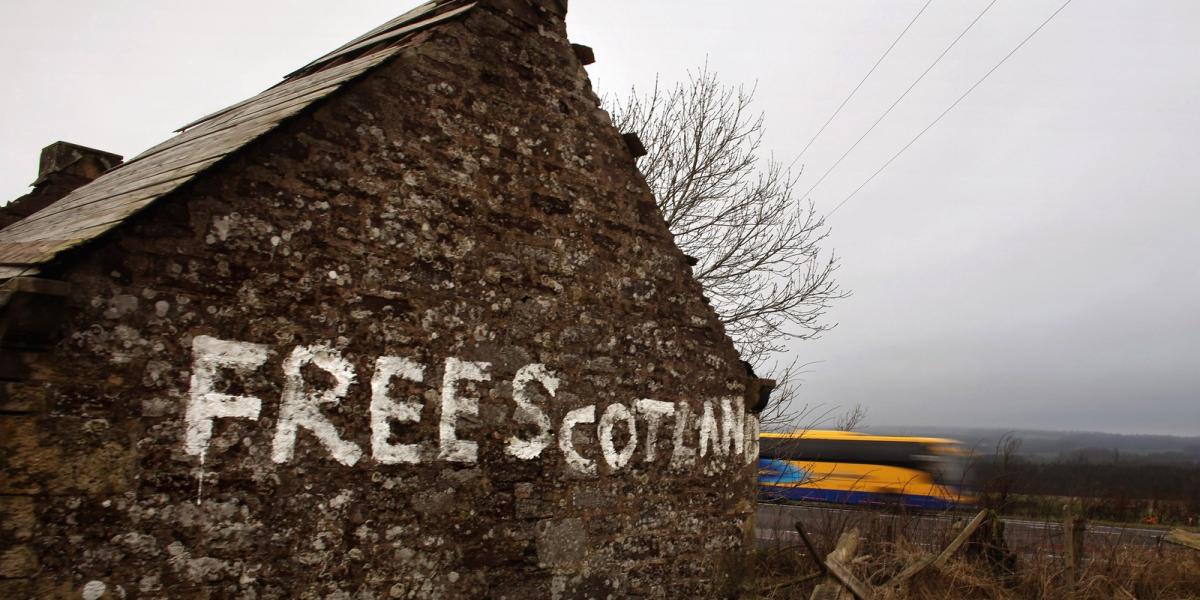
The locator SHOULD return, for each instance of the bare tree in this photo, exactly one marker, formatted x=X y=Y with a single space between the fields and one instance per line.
x=1006 y=473
x=758 y=246
x=786 y=411
x=853 y=419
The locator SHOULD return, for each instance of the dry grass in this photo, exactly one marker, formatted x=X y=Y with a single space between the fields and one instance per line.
x=1122 y=572
x=1131 y=573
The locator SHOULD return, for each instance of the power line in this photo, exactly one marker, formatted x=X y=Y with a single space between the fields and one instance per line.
x=951 y=107
x=902 y=96
x=860 y=83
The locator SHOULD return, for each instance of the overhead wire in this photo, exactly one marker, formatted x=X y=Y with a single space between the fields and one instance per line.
x=861 y=82
x=951 y=107
x=901 y=98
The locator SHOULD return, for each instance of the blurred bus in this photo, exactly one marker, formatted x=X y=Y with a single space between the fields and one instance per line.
x=855 y=468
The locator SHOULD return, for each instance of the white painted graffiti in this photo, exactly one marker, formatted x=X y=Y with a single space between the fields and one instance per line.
x=724 y=435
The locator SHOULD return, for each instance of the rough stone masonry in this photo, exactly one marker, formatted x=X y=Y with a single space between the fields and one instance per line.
x=408 y=325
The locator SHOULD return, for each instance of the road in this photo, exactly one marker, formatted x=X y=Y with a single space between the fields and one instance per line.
x=775 y=524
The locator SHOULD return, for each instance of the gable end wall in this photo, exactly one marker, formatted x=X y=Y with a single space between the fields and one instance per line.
x=463 y=218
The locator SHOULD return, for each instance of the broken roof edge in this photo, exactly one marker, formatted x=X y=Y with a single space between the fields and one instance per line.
x=380 y=36
x=419 y=18
x=88 y=213
x=24 y=257
x=91 y=212
x=397 y=27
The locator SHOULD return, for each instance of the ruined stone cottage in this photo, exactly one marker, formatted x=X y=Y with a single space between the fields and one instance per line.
x=405 y=325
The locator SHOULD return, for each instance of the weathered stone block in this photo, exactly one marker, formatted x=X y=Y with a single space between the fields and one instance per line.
x=562 y=542
x=22 y=397
x=18 y=561
x=16 y=518
x=60 y=456
x=16 y=588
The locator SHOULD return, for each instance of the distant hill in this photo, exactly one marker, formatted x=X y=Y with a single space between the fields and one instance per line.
x=1068 y=445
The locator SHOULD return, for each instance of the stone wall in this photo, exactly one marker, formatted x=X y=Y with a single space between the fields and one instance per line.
x=429 y=339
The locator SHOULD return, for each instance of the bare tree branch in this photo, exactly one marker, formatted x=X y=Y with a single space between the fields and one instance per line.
x=759 y=247
x=853 y=419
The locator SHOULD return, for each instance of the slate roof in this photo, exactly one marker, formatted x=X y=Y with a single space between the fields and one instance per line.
x=103 y=204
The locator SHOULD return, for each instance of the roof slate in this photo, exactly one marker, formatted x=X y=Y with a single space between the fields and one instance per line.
x=102 y=205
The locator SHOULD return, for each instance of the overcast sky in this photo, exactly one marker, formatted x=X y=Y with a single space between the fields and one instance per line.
x=1033 y=261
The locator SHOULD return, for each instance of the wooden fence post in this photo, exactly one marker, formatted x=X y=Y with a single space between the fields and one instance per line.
x=841 y=579
x=1073 y=531
x=939 y=560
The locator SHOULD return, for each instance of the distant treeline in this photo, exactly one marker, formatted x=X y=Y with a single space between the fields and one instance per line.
x=1060 y=445
x=1121 y=489
x=1107 y=480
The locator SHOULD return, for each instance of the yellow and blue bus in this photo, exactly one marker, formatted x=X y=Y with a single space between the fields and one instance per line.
x=855 y=468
